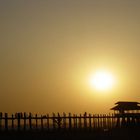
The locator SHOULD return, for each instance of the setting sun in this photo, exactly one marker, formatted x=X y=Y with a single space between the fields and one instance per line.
x=102 y=80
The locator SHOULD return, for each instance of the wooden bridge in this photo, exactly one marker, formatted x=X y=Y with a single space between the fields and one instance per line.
x=28 y=121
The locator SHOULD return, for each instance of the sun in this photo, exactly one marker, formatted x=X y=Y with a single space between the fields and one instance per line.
x=102 y=80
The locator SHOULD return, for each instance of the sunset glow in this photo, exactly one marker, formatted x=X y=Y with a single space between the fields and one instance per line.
x=68 y=55
x=102 y=80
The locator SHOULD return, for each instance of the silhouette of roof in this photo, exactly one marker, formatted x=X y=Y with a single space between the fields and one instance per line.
x=125 y=105
x=126 y=102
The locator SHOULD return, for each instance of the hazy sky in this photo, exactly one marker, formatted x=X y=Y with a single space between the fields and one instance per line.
x=49 y=48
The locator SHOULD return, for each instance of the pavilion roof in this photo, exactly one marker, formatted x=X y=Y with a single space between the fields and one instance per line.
x=126 y=106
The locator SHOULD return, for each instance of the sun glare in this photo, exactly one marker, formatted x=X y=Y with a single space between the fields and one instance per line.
x=102 y=80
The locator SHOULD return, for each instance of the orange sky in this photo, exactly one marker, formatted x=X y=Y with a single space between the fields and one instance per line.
x=48 y=50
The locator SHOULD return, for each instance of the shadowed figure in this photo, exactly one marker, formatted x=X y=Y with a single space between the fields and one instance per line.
x=57 y=120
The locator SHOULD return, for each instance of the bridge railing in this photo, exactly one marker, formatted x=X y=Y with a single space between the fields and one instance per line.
x=29 y=121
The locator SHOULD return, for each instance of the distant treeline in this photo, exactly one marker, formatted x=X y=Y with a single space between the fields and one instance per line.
x=28 y=121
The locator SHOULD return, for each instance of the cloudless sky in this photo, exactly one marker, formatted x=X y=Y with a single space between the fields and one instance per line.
x=49 y=48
